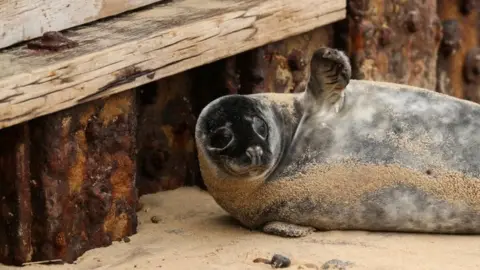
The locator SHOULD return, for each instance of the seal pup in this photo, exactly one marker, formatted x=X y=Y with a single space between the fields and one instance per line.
x=343 y=155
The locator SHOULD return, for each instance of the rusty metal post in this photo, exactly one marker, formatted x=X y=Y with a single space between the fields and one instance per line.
x=281 y=66
x=394 y=41
x=83 y=171
x=458 y=68
x=166 y=127
x=15 y=204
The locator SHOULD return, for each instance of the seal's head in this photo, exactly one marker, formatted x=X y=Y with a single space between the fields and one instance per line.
x=239 y=136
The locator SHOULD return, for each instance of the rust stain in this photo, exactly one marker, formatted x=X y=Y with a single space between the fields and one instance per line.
x=76 y=173
x=385 y=40
x=166 y=158
x=85 y=167
x=460 y=33
x=119 y=178
x=114 y=107
x=52 y=41
x=15 y=205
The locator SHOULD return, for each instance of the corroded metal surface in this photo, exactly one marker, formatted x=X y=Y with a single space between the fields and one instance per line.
x=282 y=66
x=166 y=126
x=15 y=204
x=83 y=169
x=394 y=40
x=458 y=69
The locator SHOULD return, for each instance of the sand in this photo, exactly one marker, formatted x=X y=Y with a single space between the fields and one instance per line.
x=193 y=232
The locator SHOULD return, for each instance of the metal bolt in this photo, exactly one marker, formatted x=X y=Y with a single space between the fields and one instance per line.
x=386 y=36
x=367 y=29
x=467 y=6
x=471 y=69
x=296 y=60
x=357 y=8
x=451 y=37
x=412 y=21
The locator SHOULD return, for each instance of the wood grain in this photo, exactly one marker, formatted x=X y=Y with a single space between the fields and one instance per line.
x=132 y=49
x=22 y=20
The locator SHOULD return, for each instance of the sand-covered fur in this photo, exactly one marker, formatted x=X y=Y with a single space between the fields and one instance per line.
x=345 y=154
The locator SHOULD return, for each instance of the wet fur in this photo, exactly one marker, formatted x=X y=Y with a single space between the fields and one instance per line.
x=393 y=158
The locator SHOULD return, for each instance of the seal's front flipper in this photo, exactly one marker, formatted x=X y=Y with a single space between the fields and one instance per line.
x=287 y=229
x=330 y=73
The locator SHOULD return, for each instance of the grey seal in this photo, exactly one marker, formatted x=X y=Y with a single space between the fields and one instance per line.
x=343 y=155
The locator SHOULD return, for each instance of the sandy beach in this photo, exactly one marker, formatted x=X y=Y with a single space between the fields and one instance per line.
x=193 y=232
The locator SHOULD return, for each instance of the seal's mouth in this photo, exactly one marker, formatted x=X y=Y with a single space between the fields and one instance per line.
x=235 y=169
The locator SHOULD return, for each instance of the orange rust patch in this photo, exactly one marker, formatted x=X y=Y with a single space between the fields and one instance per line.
x=122 y=176
x=76 y=173
x=113 y=108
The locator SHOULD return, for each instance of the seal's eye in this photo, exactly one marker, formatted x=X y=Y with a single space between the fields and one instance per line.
x=221 y=138
x=260 y=127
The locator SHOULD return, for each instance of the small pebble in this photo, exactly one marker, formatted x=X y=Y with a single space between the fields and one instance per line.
x=126 y=239
x=279 y=261
x=336 y=264
x=154 y=219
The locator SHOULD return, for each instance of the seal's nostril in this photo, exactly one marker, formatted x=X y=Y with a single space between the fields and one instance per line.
x=255 y=154
x=252 y=155
x=259 y=151
x=221 y=138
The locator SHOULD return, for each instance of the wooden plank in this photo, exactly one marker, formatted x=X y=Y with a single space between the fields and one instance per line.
x=22 y=20
x=136 y=48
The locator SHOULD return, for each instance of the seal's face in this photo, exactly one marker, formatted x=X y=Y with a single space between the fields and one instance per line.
x=239 y=135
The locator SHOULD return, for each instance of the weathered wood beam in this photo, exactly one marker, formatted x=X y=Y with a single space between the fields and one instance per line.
x=22 y=20
x=132 y=49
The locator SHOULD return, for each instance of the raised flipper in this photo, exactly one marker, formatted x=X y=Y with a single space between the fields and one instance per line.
x=287 y=229
x=330 y=73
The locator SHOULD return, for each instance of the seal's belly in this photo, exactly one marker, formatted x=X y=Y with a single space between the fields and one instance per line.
x=373 y=197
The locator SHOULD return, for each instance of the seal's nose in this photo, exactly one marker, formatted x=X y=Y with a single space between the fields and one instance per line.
x=255 y=154
x=220 y=139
